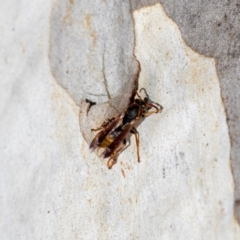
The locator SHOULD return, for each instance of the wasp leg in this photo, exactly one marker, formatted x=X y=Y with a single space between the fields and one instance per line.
x=136 y=134
x=105 y=123
x=90 y=104
x=138 y=95
x=112 y=160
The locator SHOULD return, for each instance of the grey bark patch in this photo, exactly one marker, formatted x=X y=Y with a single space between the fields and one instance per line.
x=91 y=49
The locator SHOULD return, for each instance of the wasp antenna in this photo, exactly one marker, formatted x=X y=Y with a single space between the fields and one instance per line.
x=144 y=89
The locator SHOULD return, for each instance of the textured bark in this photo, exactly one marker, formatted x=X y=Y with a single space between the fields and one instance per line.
x=54 y=55
x=213 y=29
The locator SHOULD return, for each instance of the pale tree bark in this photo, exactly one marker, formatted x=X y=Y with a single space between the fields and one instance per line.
x=54 y=55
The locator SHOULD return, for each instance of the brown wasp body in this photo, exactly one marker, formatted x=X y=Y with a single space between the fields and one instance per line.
x=114 y=132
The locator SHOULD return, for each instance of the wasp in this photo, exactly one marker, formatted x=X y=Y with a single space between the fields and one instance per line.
x=114 y=132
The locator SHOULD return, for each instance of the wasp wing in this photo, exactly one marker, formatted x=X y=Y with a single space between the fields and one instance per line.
x=106 y=130
x=119 y=139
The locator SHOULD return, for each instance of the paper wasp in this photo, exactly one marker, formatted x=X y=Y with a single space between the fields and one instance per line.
x=114 y=132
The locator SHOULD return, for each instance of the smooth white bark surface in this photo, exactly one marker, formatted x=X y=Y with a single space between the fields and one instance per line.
x=52 y=188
